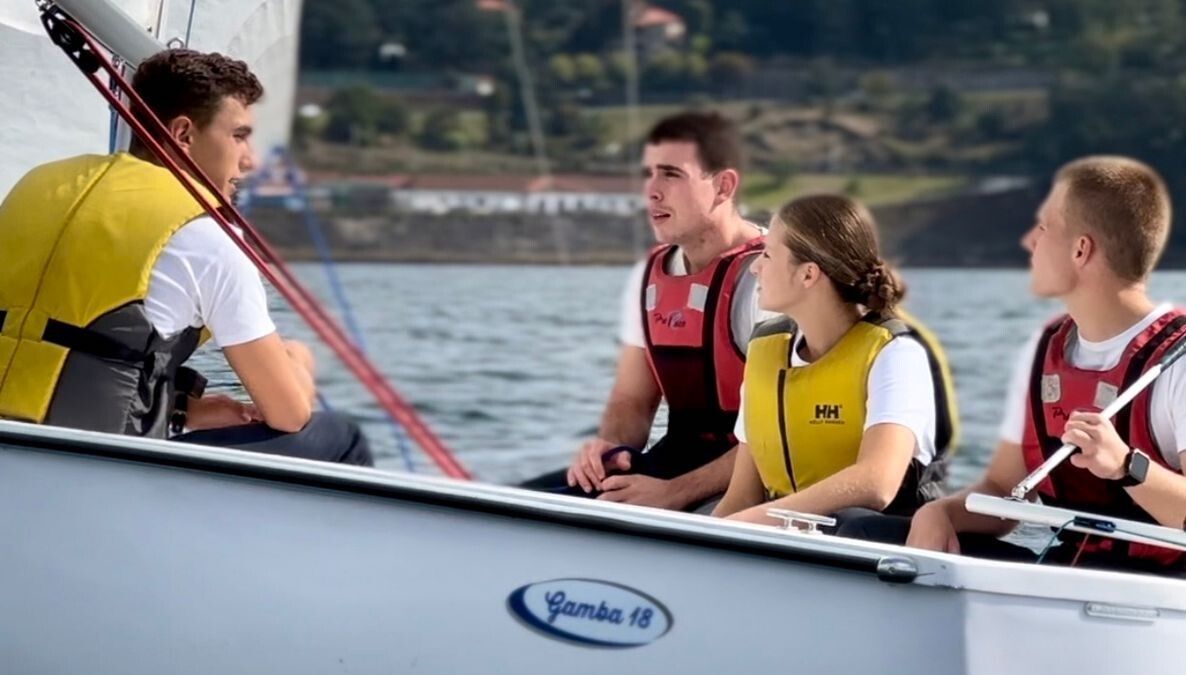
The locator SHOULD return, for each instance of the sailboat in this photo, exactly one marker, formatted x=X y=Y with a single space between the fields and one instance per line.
x=126 y=555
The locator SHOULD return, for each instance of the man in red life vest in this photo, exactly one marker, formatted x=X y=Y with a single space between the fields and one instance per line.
x=687 y=314
x=1097 y=237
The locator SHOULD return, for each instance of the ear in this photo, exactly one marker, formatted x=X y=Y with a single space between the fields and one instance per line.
x=1083 y=250
x=727 y=184
x=181 y=129
x=811 y=274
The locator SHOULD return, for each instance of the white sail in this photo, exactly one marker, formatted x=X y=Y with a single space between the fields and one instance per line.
x=48 y=111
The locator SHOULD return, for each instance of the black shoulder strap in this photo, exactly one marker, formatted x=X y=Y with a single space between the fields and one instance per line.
x=775 y=326
x=944 y=424
x=92 y=342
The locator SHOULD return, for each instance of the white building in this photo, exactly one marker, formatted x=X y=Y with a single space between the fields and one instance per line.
x=518 y=194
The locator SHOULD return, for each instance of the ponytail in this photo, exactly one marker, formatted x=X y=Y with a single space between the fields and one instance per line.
x=881 y=289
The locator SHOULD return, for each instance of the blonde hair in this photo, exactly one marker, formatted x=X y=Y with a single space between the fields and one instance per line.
x=1125 y=203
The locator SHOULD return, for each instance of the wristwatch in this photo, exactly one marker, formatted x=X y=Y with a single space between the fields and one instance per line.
x=1136 y=468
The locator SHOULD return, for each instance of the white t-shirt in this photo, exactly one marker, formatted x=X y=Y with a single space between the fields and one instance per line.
x=900 y=391
x=744 y=313
x=1168 y=402
x=201 y=278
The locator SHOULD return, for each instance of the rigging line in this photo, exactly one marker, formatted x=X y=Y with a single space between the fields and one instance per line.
x=514 y=22
x=632 y=121
x=113 y=127
x=1050 y=543
x=189 y=24
x=316 y=232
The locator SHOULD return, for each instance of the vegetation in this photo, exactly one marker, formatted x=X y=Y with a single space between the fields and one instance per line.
x=867 y=86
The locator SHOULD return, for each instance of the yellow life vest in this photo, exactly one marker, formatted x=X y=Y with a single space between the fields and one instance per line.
x=804 y=424
x=81 y=237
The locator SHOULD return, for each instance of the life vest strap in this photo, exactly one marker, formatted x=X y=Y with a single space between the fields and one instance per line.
x=92 y=343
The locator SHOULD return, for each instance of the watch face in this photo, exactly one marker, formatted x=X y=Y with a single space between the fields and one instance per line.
x=1138 y=467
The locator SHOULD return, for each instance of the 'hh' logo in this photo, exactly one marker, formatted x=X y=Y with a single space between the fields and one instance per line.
x=673 y=320
x=827 y=414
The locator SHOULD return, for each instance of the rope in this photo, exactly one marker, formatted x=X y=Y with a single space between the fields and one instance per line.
x=113 y=129
x=189 y=24
x=1053 y=538
x=317 y=234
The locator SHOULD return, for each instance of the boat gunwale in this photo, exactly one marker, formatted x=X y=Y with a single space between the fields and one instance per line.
x=426 y=490
x=936 y=570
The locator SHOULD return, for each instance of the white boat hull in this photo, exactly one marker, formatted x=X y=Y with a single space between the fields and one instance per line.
x=127 y=556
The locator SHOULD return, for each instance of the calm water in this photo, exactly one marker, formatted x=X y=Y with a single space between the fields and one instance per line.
x=511 y=365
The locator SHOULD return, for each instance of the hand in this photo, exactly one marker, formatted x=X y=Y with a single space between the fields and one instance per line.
x=590 y=466
x=216 y=411
x=1103 y=452
x=641 y=491
x=932 y=529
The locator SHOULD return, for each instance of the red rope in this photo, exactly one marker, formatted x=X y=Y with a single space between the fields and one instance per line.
x=281 y=277
x=1082 y=545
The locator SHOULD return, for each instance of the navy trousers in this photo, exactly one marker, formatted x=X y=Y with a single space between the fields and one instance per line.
x=328 y=437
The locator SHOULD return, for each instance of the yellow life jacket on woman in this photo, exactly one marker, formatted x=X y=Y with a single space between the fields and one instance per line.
x=80 y=238
x=803 y=424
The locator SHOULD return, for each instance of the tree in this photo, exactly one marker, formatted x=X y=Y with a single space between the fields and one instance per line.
x=853 y=186
x=665 y=72
x=944 y=104
x=354 y=114
x=394 y=118
x=1146 y=120
x=992 y=124
x=878 y=88
x=782 y=171
x=562 y=69
x=733 y=31
x=590 y=71
x=498 y=110
x=695 y=70
x=443 y=131
x=338 y=34
x=729 y=68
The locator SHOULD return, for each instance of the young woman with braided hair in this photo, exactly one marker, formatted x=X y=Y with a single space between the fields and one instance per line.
x=847 y=404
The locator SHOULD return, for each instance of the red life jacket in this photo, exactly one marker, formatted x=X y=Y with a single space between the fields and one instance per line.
x=689 y=340
x=1057 y=388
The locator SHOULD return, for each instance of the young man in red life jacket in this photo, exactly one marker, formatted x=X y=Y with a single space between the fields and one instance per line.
x=687 y=314
x=1097 y=238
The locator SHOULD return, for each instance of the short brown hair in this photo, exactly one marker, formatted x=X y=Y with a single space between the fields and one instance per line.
x=717 y=140
x=178 y=82
x=1125 y=203
x=840 y=235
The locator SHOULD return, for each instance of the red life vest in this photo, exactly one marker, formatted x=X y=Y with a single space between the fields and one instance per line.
x=689 y=340
x=1057 y=388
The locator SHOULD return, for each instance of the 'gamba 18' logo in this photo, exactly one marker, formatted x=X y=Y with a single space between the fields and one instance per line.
x=590 y=612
